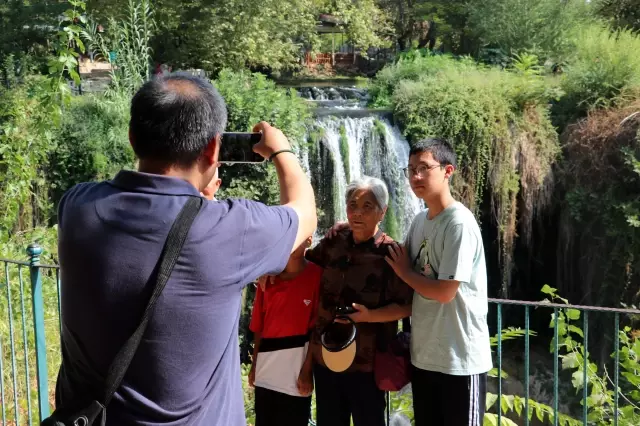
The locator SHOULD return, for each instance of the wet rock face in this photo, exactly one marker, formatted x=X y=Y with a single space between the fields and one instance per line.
x=333 y=94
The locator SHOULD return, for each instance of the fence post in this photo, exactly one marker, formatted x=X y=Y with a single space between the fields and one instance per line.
x=34 y=251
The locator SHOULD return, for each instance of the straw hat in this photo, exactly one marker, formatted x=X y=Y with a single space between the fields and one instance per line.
x=339 y=344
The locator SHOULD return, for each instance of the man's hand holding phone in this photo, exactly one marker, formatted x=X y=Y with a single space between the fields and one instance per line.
x=295 y=189
x=272 y=141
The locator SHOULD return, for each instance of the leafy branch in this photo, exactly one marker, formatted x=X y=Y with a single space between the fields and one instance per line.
x=515 y=403
x=600 y=401
x=67 y=43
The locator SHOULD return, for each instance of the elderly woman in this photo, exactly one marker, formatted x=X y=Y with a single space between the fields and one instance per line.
x=356 y=274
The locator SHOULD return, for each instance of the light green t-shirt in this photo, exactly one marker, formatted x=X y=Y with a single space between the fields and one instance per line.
x=451 y=338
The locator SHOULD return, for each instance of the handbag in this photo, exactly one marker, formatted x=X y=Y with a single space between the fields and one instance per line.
x=94 y=413
x=392 y=360
x=392 y=366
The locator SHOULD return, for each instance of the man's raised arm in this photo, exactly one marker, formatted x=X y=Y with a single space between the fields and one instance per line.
x=295 y=189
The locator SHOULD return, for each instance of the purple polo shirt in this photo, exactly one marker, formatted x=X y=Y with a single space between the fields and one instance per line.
x=187 y=368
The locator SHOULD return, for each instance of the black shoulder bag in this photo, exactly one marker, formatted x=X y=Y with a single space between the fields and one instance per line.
x=94 y=413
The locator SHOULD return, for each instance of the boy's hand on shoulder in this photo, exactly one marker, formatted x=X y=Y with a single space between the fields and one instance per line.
x=264 y=280
x=398 y=259
x=335 y=229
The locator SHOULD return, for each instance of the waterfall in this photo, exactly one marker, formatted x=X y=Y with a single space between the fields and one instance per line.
x=343 y=146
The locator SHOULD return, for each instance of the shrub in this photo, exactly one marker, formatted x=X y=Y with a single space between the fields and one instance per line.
x=603 y=71
x=541 y=26
x=601 y=181
x=413 y=66
x=25 y=141
x=91 y=143
x=498 y=122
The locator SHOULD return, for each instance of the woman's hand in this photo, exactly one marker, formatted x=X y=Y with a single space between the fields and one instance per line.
x=399 y=260
x=305 y=380
x=363 y=314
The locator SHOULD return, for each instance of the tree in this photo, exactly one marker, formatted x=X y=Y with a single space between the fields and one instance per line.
x=367 y=25
x=268 y=34
x=621 y=13
x=24 y=29
x=542 y=26
x=431 y=24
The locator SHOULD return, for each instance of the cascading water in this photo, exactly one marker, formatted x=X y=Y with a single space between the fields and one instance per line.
x=348 y=141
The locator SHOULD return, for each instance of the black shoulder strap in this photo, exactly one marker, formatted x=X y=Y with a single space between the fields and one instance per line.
x=168 y=258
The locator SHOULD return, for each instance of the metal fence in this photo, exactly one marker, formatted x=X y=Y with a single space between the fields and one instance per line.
x=24 y=343
x=30 y=329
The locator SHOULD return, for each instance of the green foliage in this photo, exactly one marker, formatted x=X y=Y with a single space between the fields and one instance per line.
x=234 y=34
x=390 y=222
x=601 y=390
x=29 y=114
x=490 y=116
x=26 y=29
x=508 y=333
x=67 y=46
x=249 y=395
x=126 y=46
x=91 y=143
x=623 y=14
x=402 y=404
x=25 y=140
x=252 y=98
x=366 y=24
x=572 y=354
x=603 y=70
x=443 y=22
x=344 y=152
x=532 y=88
x=267 y=35
x=413 y=66
x=541 y=26
x=601 y=205
x=516 y=404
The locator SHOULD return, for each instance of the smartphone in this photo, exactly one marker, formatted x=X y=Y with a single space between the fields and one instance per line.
x=345 y=310
x=237 y=147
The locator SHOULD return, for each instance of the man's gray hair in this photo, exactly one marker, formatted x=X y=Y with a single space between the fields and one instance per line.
x=377 y=187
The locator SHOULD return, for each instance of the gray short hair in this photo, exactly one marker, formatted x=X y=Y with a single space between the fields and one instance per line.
x=377 y=187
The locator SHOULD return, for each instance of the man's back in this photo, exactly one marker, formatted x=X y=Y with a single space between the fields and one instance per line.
x=186 y=370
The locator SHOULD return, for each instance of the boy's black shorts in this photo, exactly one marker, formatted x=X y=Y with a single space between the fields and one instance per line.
x=279 y=409
x=443 y=399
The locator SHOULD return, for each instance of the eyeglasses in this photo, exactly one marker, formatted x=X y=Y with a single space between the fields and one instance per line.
x=421 y=170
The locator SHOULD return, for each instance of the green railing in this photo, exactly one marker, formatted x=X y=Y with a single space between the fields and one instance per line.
x=23 y=341
x=574 y=352
x=30 y=338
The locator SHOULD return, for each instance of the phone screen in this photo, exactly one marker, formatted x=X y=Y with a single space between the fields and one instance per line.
x=237 y=147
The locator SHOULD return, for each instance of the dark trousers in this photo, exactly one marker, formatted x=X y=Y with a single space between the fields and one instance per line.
x=340 y=396
x=279 y=409
x=446 y=400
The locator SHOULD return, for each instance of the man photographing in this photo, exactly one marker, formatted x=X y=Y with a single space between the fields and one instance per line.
x=111 y=234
